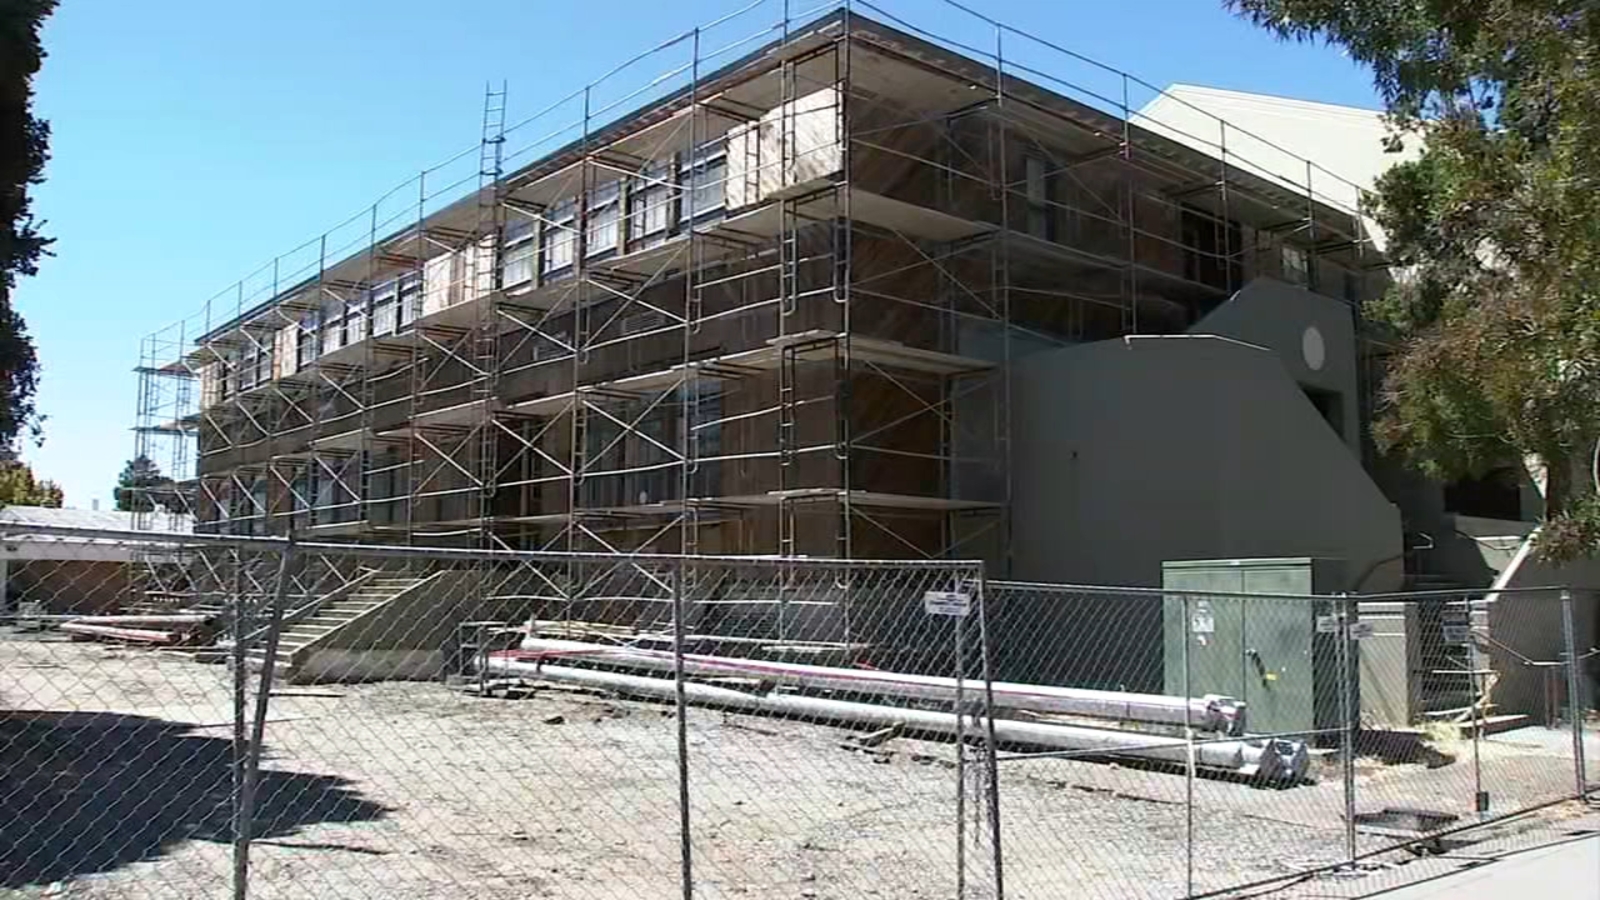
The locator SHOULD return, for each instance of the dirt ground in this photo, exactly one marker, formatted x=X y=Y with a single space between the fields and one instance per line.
x=115 y=782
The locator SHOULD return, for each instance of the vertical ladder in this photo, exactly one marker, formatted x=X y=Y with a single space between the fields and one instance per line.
x=486 y=341
x=788 y=375
x=788 y=258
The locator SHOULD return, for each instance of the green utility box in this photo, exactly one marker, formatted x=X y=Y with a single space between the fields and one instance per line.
x=1266 y=651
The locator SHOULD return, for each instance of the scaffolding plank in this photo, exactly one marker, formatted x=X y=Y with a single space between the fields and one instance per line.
x=883 y=500
x=460 y=415
x=916 y=359
x=352 y=527
x=350 y=441
x=912 y=219
x=552 y=404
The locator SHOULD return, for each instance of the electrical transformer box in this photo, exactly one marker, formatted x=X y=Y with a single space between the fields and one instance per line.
x=1255 y=630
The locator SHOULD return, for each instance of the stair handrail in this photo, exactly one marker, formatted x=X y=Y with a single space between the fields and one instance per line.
x=310 y=607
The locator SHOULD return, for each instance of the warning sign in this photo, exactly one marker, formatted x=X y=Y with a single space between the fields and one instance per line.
x=947 y=603
x=1201 y=619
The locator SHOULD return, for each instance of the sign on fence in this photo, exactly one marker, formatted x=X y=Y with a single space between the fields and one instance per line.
x=947 y=603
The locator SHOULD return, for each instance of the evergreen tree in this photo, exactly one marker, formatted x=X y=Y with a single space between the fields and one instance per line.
x=142 y=487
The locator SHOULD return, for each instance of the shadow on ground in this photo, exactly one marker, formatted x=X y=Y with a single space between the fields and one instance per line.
x=89 y=792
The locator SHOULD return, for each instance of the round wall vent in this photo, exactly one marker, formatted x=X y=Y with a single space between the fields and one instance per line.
x=1313 y=349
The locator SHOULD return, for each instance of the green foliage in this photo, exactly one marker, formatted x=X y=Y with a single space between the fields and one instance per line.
x=141 y=487
x=24 y=148
x=18 y=487
x=1494 y=229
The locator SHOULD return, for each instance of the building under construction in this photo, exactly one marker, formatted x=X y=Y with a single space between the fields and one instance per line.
x=775 y=311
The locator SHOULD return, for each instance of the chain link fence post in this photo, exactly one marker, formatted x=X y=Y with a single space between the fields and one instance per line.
x=1574 y=697
x=1348 y=716
x=991 y=752
x=681 y=708
x=1475 y=674
x=1189 y=755
x=241 y=699
x=958 y=632
x=246 y=797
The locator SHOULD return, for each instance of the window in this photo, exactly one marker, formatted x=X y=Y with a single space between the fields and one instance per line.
x=247 y=508
x=1037 y=188
x=300 y=491
x=520 y=251
x=409 y=303
x=552 y=347
x=649 y=207
x=332 y=319
x=702 y=181
x=355 y=319
x=252 y=366
x=642 y=321
x=1296 y=268
x=656 y=477
x=307 y=347
x=263 y=356
x=558 y=237
x=384 y=319
x=258 y=504
x=605 y=214
x=1211 y=249
x=706 y=438
x=225 y=376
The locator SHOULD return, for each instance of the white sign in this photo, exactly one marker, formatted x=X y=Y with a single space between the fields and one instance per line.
x=1203 y=620
x=1327 y=624
x=1361 y=630
x=1457 y=633
x=947 y=603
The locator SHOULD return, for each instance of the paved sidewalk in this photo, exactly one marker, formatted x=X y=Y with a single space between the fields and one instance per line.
x=1567 y=871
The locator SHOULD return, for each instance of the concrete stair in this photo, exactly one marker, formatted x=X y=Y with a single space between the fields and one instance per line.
x=1442 y=681
x=329 y=618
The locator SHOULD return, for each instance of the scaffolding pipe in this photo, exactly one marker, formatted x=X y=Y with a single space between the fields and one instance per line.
x=1283 y=762
x=1223 y=715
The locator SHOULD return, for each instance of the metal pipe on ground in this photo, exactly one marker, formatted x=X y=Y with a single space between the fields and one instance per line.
x=81 y=629
x=153 y=621
x=1213 y=713
x=1270 y=760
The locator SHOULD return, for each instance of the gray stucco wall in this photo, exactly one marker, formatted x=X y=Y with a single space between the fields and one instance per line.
x=1526 y=622
x=1294 y=323
x=1147 y=449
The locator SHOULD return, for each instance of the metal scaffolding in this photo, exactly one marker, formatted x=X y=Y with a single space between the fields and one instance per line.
x=764 y=297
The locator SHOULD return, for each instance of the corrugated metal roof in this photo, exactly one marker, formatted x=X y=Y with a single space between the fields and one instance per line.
x=104 y=520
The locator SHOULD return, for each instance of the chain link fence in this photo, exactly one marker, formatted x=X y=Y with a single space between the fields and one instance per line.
x=191 y=716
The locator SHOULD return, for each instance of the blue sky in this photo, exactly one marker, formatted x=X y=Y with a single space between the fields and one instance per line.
x=195 y=139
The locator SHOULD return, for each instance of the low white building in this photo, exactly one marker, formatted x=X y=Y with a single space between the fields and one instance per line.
x=61 y=574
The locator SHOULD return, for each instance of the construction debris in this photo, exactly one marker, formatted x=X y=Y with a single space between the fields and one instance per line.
x=880 y=737
x=171 y=629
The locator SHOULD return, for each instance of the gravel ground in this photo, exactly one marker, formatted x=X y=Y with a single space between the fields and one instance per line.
x=114 y=782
